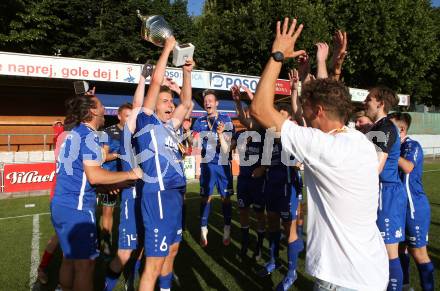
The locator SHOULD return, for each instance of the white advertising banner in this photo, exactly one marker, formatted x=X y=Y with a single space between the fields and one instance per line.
x=359 y=95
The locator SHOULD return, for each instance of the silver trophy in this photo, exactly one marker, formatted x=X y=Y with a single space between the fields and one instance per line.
x=156 y=30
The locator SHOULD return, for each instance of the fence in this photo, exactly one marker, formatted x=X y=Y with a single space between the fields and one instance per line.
x=25 y=139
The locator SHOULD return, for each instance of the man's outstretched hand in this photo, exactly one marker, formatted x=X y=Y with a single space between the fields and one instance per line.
x=286 y=37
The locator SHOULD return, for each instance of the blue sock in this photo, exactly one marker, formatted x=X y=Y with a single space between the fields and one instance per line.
x=111 y=279
x=274 y=245
x=165 y=281
x=426 y=272
x=396 y=275
x=260 y=240
x=244 y=239
x=227 y=212
x=404 y=262
x=299 y=231
x=205 y=208
x=292 y=255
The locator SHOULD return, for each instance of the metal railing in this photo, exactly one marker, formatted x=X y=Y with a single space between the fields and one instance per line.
x=434 y=151
x=10 y=135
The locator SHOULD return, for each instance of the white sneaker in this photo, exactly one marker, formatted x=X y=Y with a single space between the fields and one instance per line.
x=227 y=235
x=204 y=236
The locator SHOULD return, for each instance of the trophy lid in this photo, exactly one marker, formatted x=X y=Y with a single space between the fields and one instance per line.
x=155 y=29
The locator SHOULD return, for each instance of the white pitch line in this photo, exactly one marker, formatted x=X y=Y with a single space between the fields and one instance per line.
x=428 y=171
x=35 y=250
x=20 y=216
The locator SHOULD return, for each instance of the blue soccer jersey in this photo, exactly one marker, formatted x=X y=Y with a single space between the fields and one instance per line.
x=158 y=154
x=211 y=146
x=250 y=151
x=72 y=189
x=418 y=216
x=412 y=151
x=386 y=138
x=128 y=162
x=114 y=142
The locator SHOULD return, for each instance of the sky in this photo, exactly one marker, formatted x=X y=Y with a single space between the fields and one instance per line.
x=436 y=3
x=195 y=6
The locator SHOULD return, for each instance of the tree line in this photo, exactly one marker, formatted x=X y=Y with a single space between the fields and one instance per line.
x=391 y=42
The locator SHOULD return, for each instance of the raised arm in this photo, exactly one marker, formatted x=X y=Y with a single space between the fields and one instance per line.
x=138 y=97
x=235 y=92
x=158 y=75
x=262 y=107
x=185 y=95
x=321 y=60
x=294 y=99
x=340 y=42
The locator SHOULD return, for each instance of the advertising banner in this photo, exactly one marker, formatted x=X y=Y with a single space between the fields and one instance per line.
x=28 y=177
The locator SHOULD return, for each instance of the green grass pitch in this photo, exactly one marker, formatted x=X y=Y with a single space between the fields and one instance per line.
x=215 y=268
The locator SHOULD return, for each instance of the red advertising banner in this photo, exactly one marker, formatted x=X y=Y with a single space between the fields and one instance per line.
x=28 y=177
x=282 y=87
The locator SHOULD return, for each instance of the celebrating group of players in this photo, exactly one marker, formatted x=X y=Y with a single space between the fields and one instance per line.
x=349 y=188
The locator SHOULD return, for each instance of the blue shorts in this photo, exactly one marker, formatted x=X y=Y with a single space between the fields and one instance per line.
x=277 y=196
x=391 y=212
x=162 y=216
x=250 y=192
x=131 y=227
x=76 y=231
x=417 y=221
x=213 y=175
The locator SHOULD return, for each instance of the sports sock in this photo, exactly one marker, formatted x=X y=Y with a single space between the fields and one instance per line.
x=274 y=245
x=396 y=275
x=165 y=282
x=260 y=240
x=227 y=212
x=404 y=262
x=426 y=272
x=111 y=279
x=293 y=251
x=205 y=208
x=244 y=239
x=45 y=260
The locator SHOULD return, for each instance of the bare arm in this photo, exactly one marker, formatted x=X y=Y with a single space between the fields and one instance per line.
x=340 y=42
x=235 y=92
x=294 y=99
x=158 y=75
x=321 y=59
x=97 y=175
x=405 y=165
x=262 y=108
x=185 y=95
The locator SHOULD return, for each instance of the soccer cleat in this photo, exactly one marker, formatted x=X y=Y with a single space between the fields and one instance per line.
x=227 y=235
x=42 y=276
x=204 y=237
x=268 y=269
x=287 y=282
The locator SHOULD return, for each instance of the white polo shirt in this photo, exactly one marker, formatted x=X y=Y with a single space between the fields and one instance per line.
x=344 y=245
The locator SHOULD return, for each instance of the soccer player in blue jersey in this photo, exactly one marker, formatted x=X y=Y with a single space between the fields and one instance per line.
x=216 y=131
x=131 y=228
x=112 y=163
x=249 y=187
x=161 y=161
x=392 y=198
x=418 y=211
x=73 y=206
x=280 y=189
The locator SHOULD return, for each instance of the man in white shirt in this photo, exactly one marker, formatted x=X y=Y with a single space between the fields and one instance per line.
x=345 y=250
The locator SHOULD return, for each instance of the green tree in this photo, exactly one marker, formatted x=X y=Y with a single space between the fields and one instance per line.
x=239 y=38
x=391 y=42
